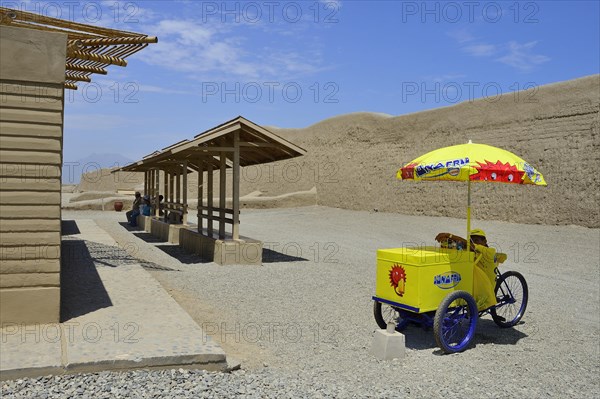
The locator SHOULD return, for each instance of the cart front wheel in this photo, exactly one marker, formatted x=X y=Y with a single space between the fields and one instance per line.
x=512 y=295
x=385 y=314
x=455 y=321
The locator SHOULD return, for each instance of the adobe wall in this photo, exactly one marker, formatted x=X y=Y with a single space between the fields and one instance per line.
x=32 y=73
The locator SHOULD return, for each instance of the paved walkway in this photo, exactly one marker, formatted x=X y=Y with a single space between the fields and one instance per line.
x=115 y=316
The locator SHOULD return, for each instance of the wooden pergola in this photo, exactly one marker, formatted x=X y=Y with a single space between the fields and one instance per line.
x=233 y=144
x=90 y=49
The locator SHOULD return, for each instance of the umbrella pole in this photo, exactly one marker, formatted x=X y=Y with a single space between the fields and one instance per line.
x=469 y=216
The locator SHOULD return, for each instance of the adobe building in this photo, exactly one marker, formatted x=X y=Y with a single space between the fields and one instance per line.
x=39 y=58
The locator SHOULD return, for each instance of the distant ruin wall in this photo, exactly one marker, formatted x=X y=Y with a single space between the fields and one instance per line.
x=352 y=159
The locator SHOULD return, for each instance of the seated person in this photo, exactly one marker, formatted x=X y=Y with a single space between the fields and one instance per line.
x=161 y=205
x=146 y=207
x=135 y=210
x=484 y=274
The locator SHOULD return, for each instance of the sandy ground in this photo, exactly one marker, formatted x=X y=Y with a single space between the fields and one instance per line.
x=307 y=312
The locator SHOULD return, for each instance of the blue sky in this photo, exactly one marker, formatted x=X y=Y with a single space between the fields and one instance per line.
x=294 y=63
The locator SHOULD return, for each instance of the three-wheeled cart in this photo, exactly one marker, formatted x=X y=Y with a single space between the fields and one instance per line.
x=433 y=287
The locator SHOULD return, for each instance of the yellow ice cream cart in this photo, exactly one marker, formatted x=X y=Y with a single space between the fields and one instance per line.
x=435 y=286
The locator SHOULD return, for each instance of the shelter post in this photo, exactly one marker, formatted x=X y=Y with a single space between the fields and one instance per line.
x=184 y=217
x=156 y=200
x=171 y=189
x=166 y=190
x=200 y=194
x=236 y=186
x=178 y=187
x=146 y=182
x=222 y=190
x=209 y=216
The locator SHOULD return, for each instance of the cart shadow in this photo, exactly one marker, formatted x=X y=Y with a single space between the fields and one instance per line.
x=487 y=332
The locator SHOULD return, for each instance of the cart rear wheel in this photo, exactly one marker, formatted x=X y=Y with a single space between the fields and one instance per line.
x=385 y=314
x=455 y=321
x=512 y=294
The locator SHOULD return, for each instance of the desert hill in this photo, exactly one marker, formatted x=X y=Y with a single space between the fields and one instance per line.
x=352 y=159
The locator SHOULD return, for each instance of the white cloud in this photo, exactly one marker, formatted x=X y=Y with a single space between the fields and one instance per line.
x=521 y=56
x=480 y=50
x=211 y=50
x=445 y=77
x=461 y=35
x=334 y=3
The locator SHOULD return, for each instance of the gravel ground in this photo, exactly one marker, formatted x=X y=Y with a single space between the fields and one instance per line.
x=302 y=323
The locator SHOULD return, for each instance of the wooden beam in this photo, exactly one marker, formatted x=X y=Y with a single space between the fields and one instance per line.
x=257 y=144
x=218 y=218
x=235 y=230
x=105 y=59
x=226 y=210
x=107 y=41
x=79 y=78
x=185 y=189
x=200 y=194
x=222 y=192
x=216 y=149
x=71 y=86
x=166 y=195
x=171 y=187
x=178 y=187
x=151 y=183
x=156 y=194
x=85 y=68
x=209 y=199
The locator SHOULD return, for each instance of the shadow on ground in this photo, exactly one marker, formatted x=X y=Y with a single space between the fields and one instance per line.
x=270 y=256
x=82 y=290
x=181 y=255
x=69 y=227
x=487 y=332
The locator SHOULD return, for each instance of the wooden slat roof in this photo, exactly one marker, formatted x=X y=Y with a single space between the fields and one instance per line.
x=257 y=145
x=90 y=49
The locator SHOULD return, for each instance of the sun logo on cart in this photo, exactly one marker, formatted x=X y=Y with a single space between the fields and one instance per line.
x=398 y=279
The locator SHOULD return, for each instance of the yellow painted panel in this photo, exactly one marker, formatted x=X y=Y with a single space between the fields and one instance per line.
x=420 y=278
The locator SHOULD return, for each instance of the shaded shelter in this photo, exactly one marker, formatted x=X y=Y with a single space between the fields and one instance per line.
x=233 y=144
